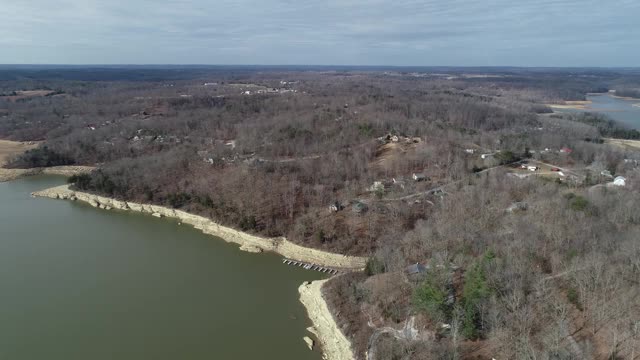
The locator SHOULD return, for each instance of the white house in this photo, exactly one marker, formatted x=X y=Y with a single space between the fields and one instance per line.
x=532 y=168
x=377 y=186
x=606 y=173
x=336 y=206
x=486 y=156
x=620 y=181
x=419 y=177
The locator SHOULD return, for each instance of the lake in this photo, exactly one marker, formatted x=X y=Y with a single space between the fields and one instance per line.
x=82 y=283
x=618 y=109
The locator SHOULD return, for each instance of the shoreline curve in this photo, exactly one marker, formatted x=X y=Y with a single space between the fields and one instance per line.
x=247 y=242
x=334 y=344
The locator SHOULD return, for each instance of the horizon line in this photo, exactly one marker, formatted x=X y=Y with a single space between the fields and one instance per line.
x=308 y=65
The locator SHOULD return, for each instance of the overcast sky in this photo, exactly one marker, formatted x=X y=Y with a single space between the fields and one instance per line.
x=329 y=32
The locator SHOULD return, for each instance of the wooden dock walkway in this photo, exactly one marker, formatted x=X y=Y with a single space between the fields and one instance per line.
x=308 y=266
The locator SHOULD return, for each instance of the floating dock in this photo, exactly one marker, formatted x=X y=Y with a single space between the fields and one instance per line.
x=308 y=266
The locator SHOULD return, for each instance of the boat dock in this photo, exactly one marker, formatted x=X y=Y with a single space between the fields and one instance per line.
x=308 y=266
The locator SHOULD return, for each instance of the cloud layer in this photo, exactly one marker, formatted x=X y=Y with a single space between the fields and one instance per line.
x=355 y=32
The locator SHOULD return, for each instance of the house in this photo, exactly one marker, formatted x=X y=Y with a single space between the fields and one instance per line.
x=486 y=156
x=419 y=177
x=518 y=206
x=606 y=173
x=377 y=186
x=620 y=181
x=438 y=192
x=415 y=269
x=336 y=206
x=532 y=168
x=359 y=207
x=470 y=151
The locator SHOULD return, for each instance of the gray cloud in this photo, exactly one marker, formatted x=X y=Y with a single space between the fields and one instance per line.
x=370 y=32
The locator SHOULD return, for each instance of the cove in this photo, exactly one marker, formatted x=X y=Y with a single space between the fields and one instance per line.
x=81 y=283
x=626 y=112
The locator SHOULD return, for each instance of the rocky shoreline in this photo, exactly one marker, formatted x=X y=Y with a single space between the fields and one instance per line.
x=335 y=345
x=247 y=242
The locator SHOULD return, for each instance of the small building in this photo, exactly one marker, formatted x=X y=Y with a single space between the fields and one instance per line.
x=415 y=269
x=566 y=150
x=620 y=181
x=419 y=177
x=532 y=168
x=486 y=156
x=359 y=207
x=606 y=173
x=336 y=206
x=395 y=138
x=437 y=192
x=470 y=151
x=518 y=206
x=416 y=272
x=377 y=186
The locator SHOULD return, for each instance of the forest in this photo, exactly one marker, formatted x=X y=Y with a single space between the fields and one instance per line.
x=404 y=166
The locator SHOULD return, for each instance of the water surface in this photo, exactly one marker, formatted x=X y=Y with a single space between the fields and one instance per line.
x=618 y=109
x=83 y=283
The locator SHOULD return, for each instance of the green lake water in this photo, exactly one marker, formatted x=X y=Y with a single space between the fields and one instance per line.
x=82 y=283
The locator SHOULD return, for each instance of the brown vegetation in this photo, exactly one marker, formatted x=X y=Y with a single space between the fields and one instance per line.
x=391 y=166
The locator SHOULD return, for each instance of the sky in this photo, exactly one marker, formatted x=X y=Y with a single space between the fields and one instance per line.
x=602 y=33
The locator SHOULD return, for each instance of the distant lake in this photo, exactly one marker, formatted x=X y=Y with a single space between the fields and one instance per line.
x=79 y=283
x=620 y=110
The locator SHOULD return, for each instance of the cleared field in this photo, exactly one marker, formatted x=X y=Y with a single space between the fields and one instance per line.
x=628 y=144
x=9 y=149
